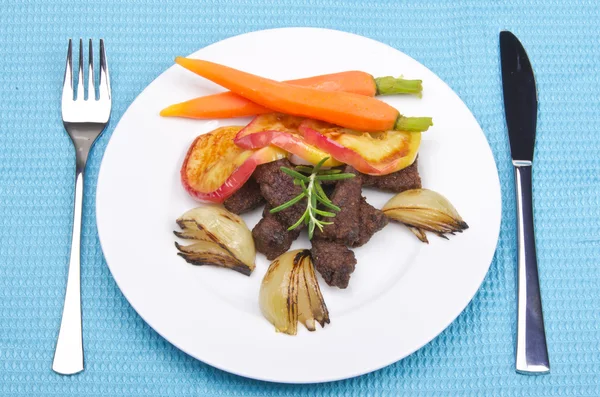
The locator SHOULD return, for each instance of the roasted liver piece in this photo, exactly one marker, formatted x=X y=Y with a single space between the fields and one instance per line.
x=271 y=237
x=399 y=181
x=346 y=195
x=334 y=261
x=247 y=198
x=372 y=220
x=277 y=188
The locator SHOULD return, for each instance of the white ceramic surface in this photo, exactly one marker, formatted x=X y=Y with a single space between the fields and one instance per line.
x=402 y=294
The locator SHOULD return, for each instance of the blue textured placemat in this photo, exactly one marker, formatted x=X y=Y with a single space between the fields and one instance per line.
x=457 y=39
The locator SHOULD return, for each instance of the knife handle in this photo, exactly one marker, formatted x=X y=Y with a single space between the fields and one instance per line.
x=532 y=352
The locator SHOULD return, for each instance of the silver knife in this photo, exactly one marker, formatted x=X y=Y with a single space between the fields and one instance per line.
x=520 y=107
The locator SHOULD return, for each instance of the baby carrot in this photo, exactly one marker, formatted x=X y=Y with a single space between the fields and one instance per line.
x=348 y=110
x=228 y=104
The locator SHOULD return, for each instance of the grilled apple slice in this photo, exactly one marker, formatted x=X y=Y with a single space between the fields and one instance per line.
x=375 y=153
x=281 y=130
x=215 y=167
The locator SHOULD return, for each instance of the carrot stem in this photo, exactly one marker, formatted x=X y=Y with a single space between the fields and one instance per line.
x=413 y=124
x=389 y=85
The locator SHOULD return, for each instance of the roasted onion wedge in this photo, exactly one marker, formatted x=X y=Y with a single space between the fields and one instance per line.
x=209 y=253
x=290 y=293
x=190 y=231
x=420 y=233
x=316 y=304
x=217 y=227
x=275 y=295
x=425 y=210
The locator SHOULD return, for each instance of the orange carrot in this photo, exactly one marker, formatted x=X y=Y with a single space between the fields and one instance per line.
x=346 y=109
x=228 y=105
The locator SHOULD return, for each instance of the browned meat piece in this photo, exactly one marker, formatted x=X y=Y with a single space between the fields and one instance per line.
x=266 y=211
x=278 y=188
x=371 y=221
x=399 y=181
x=346 y=195
x=334 y=261
x=246 y=199
x=271 y=237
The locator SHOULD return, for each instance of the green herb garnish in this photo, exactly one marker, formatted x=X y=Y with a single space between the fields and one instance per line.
x=309 y=178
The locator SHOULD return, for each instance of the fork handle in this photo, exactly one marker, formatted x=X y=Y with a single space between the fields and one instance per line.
x=68 y=355
x=532 y=352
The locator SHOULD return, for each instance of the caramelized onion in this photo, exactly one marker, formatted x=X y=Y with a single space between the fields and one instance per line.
x=290 y=293
x=425 y=210
x=221 y=239
x=420 y=233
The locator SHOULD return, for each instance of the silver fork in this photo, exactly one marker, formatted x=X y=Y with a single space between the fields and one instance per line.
x=84 y=120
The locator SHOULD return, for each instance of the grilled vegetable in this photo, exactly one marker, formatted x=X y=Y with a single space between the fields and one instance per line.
x=281 y=130
x=377 y=153
x=420 y=233
x=425 y=210
x=290 y=293
x=207 y=253
x=215 y=167
x=342 y=108
x=220 y=239
x=228 y=104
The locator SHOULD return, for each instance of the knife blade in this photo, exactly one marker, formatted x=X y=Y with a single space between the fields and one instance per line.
x=520 y=97
x=520 y=106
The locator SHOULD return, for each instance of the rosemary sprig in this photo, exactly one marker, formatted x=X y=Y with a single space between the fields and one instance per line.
x=309 y=179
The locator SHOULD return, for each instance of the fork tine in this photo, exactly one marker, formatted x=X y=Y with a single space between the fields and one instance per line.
x=91 y=88
x=80 y=82
x=68 y=80
x=104 y=85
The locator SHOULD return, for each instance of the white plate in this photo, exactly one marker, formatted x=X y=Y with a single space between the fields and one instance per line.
x=402 y=294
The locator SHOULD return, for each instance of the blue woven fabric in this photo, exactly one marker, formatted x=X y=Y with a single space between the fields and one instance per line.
x=457 y=39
